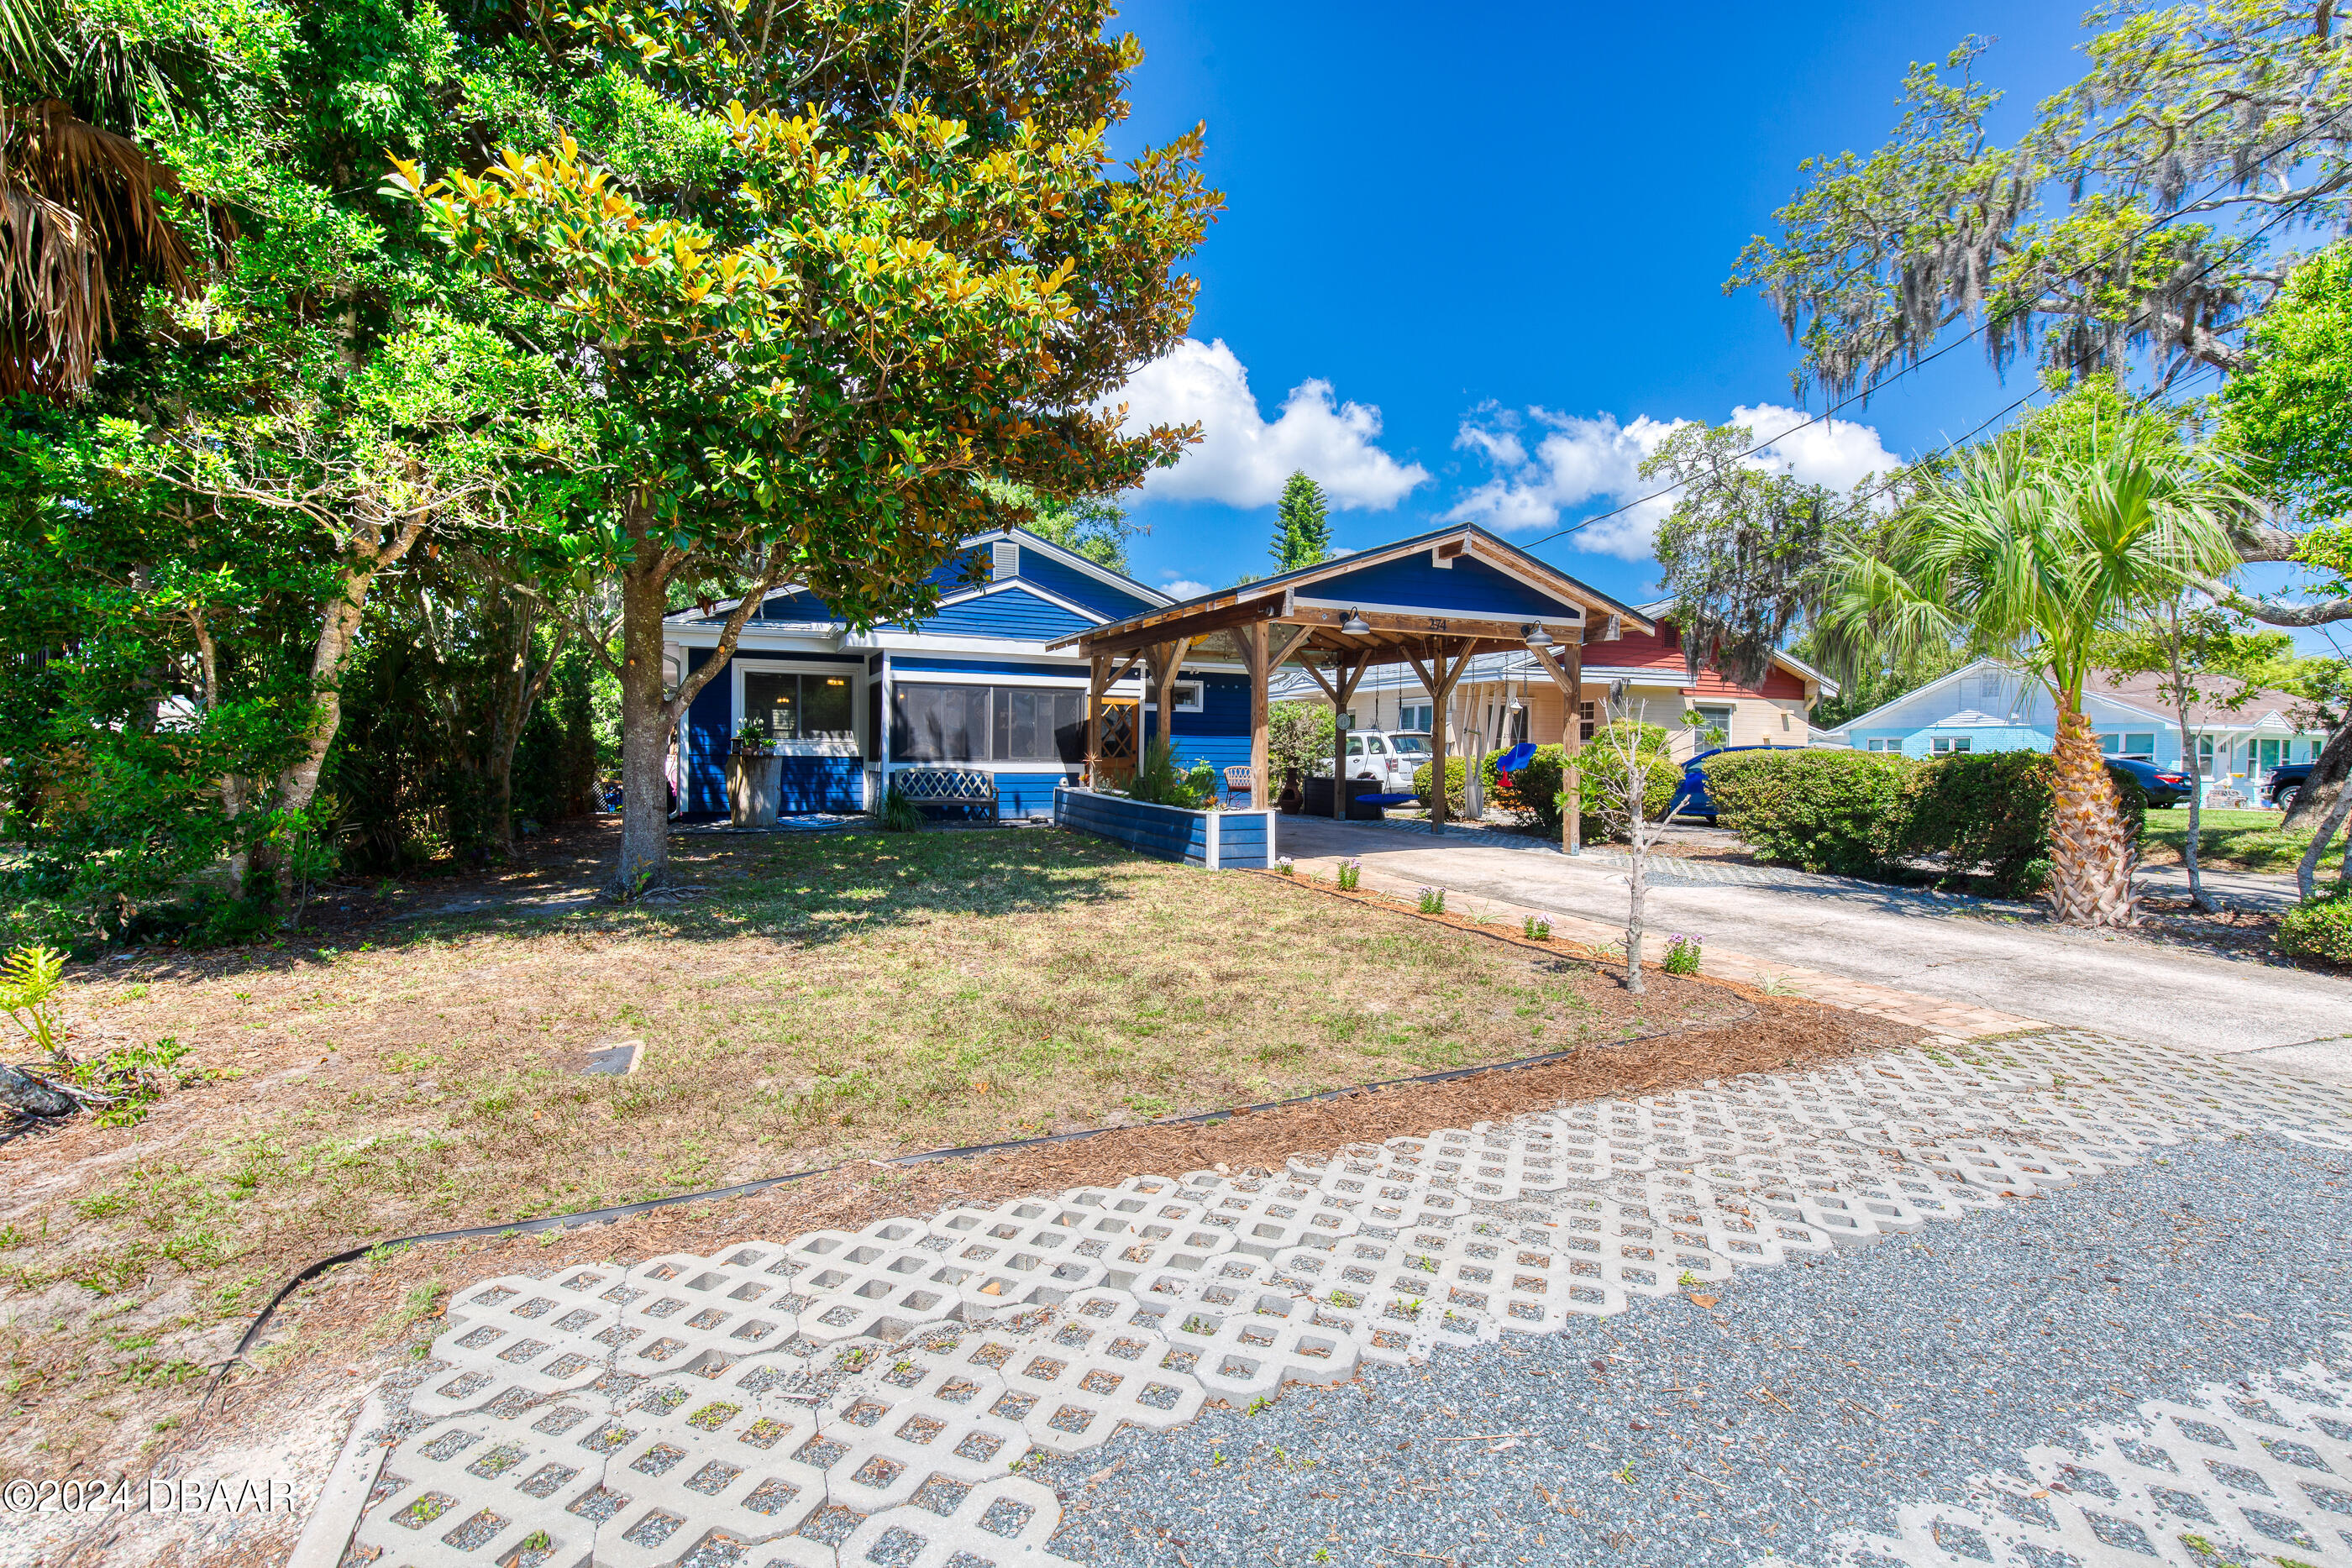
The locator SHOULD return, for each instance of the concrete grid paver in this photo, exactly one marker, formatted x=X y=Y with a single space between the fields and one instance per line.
x=844 y=1397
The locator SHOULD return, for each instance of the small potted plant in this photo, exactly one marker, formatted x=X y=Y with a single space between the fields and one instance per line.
x=751 y=738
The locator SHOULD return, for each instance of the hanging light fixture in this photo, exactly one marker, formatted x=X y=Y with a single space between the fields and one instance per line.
x=1534 y=635
x=1356 y=625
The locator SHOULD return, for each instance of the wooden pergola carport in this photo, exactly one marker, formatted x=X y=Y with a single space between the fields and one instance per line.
x=1340 y=618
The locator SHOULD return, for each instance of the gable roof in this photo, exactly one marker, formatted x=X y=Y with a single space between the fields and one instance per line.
x=1061 y=584
x=1501 y=583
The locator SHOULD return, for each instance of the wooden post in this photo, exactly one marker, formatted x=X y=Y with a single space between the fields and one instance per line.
x=1347 y=673
x=1571 y=681
x=1572 y=747
x=1256 y=659
x=1437 y=678
x=1098 y=678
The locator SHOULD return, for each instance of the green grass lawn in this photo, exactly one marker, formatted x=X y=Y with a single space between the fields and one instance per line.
x=823 y=999
x=2233 y=840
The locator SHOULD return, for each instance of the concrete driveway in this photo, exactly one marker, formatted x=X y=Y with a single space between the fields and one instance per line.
x=1954 y=947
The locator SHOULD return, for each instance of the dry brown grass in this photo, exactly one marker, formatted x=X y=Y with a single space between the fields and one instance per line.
x=826 y=999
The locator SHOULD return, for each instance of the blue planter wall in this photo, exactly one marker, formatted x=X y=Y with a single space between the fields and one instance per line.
x=1169 y=833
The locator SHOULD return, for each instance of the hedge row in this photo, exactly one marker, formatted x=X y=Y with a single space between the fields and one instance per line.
x=2319 y=927
x=1858 y=813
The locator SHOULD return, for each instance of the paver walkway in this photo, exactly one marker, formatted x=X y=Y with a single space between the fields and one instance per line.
x=946 y=1391
x=1882 y=936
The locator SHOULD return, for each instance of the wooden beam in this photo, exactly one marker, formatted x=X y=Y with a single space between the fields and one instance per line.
x=1261 y=672
x=1098 y=678
x=1270 y=609
x=1571 y=681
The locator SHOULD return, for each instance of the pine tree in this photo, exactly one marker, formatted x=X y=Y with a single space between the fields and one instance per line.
x=1302 y=532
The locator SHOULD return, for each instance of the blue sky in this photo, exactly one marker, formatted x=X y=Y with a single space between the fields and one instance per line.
x=1505 y=229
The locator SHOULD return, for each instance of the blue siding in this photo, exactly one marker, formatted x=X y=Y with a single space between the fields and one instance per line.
x=1015 y=612
x=709 y=731
x=820 y=784
x=1027 y=794
x=1067 y=581
x=1467 y=586
x=1217 y=735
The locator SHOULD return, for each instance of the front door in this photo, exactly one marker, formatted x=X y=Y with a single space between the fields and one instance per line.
x=1115 y=753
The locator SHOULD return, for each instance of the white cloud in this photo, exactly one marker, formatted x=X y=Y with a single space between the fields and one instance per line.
x=1577 y=463
x=1243 y=458
x=1184 y=588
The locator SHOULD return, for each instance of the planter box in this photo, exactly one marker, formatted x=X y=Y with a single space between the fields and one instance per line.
x=754 y=786
x=1219 y=840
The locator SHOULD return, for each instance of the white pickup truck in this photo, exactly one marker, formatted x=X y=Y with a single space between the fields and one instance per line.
x=1385 y=757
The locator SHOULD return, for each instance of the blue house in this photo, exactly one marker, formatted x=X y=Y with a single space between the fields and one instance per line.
x=972 y=688
x=1991 y=706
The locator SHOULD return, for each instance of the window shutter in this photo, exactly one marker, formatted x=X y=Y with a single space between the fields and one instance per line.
x=1004 y=559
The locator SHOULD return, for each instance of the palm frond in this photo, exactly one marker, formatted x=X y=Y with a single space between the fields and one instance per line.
x=81 y=218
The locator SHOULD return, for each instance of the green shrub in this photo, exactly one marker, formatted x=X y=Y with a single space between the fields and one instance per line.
x=1988 y=814
x=898 y=814
x=1682 y=954
x=1825 y=810
x=1602 y=774
x=2319 y=927
x=1162 y=783
x=1533 y=791
x=1984 y=816
x=1457 y=786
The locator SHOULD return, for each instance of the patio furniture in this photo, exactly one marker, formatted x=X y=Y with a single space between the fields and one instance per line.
x=943 y=792
x=1237 y=780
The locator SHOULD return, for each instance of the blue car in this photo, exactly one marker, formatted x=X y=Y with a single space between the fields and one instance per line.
x=1691 y=799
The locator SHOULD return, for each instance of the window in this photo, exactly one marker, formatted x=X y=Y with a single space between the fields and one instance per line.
x=1410 y=745
x=2205 y=757
x=1415 y=716
x=1584 y=721
x=1186 y=694
x=2141 y=746
x=1372 y=747
x=801 y=707
x=1947 y=745
x=1715 y=720
x=1355 y=746
x=1880 y=745
x=987 y=724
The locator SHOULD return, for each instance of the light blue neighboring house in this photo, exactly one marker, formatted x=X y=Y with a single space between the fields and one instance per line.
x=1991 y=706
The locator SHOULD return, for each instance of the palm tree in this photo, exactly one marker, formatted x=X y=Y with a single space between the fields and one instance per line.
x=2030 y=548
x=82 y=215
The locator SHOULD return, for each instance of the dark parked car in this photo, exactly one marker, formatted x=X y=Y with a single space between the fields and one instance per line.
x=2285 y=783
x=2163 y=786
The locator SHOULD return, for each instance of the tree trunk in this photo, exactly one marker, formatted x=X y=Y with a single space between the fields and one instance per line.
x=261 y=868
x=645 y=721
x=2326 y=781
x=2090 y=859
x=2306 y=871
x=2193 y=765
x=1639 y=885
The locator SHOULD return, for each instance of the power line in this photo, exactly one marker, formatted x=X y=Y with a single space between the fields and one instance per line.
x=1921 y=363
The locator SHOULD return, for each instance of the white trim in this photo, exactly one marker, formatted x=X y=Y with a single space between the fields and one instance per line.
x=1132 y=683
x=1214 y=818
x=738 y=666
x=1023 y=585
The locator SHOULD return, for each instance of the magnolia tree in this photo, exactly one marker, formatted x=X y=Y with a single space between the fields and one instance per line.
x=825 y=275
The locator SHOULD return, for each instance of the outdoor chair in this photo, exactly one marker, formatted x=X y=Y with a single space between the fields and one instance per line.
x=1237 y=782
